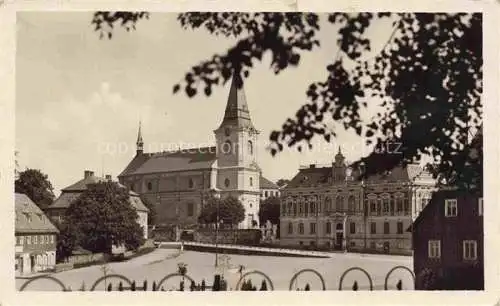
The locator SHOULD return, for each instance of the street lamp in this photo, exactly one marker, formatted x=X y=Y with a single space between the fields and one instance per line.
x=214 y=193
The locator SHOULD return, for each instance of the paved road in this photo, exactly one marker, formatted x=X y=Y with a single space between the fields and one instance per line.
x=154 y=266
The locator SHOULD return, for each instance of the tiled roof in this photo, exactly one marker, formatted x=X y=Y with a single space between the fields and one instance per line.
x=322 y=175
x=71 y=193
x=135 y=163
x=310 y=177
x=192 y=159
x=30 y=218
x=267 y=184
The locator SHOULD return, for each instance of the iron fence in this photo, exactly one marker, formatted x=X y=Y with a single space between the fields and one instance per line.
x=219 y=284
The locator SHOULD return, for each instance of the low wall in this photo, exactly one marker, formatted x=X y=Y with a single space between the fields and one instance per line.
x=63 y=267
x=229 y=236
x=85 y=258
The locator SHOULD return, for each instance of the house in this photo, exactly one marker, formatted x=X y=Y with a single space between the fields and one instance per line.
x=69 y=194
x=268 y=189
x=448 y=242
x=36 y=238
x=330 y=207
x=179 y=180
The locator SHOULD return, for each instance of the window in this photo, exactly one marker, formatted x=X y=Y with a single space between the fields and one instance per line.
x=227 y=147
x=250 y=147
x=301 y=228
x=328 y=227
x=18 y=240
x=251 y=181
x=386 y=228
x=450 y=208
x=373 y=228
x=266 y=193
x=312 y=228
x=339 y=226
x=353 y=244
x=290 y=228
x=28 y=239
x=339 y=204
x=328 y=204
x=385 y=205
x=190 y=209
x=399 y=205
x=351 y=203
x=132 y=187
x=191 y=183
x=21 y=240
x=352 y=227
x=400 y=227
x=35 y=239
x=150 y=186
x=434 y=249
x=480 y=207
x=227 y=132
x=226 y=182
x=470 y=250
x=52 y=239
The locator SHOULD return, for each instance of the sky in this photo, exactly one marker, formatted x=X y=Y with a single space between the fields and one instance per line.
x=79 y=99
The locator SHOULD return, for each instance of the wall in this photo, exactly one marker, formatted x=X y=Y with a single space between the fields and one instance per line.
x=85 y=258
x=229 y=236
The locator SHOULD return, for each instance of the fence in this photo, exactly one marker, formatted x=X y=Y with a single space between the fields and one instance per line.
x=219 y=284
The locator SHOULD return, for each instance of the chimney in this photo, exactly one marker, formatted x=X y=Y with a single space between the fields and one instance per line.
x=108 y=177
x=88 y=174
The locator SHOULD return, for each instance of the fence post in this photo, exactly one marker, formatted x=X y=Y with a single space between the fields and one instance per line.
x=110 y=287
x=355 y=286
x=145 y=285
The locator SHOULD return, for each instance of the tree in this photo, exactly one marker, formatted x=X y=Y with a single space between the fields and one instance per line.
x=67 y=240
x=282 y=182
x=152 y=211
x=426 y=79
x=36 y=185
x=104 y=217
x=270 y=210
x=230 y=209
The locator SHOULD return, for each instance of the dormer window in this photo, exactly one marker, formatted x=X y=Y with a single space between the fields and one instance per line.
x=450 y=208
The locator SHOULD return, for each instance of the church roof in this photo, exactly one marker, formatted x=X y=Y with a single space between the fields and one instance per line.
x=181 y=160
x=30 y=218
x=237 y=112
x=266 y=184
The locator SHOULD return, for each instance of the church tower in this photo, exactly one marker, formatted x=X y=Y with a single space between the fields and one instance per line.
x=238 y=173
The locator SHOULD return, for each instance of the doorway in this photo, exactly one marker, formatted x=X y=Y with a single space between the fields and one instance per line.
x=339 y=238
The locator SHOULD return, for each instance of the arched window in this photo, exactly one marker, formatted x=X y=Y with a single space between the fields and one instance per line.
x=191 y=183
x=250 y=147
x=306 y=206
x=150 y=186
x=339 y=204
x=328 y=204
x=386 y=204
x=301 y=228
x=351 y=202
x=226 y=182
x=227 y=147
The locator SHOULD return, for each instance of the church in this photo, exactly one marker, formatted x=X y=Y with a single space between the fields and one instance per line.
x=180 y=182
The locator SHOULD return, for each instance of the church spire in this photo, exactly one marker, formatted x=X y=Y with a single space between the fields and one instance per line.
x=140 y=142
x=236 y=112
x=339 y=158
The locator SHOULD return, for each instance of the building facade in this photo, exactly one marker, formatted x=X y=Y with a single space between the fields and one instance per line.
x=268 y=189
x=36 y=238
x=57 y=209
x=448 y=242
x=180 y=182
x=330 y=208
